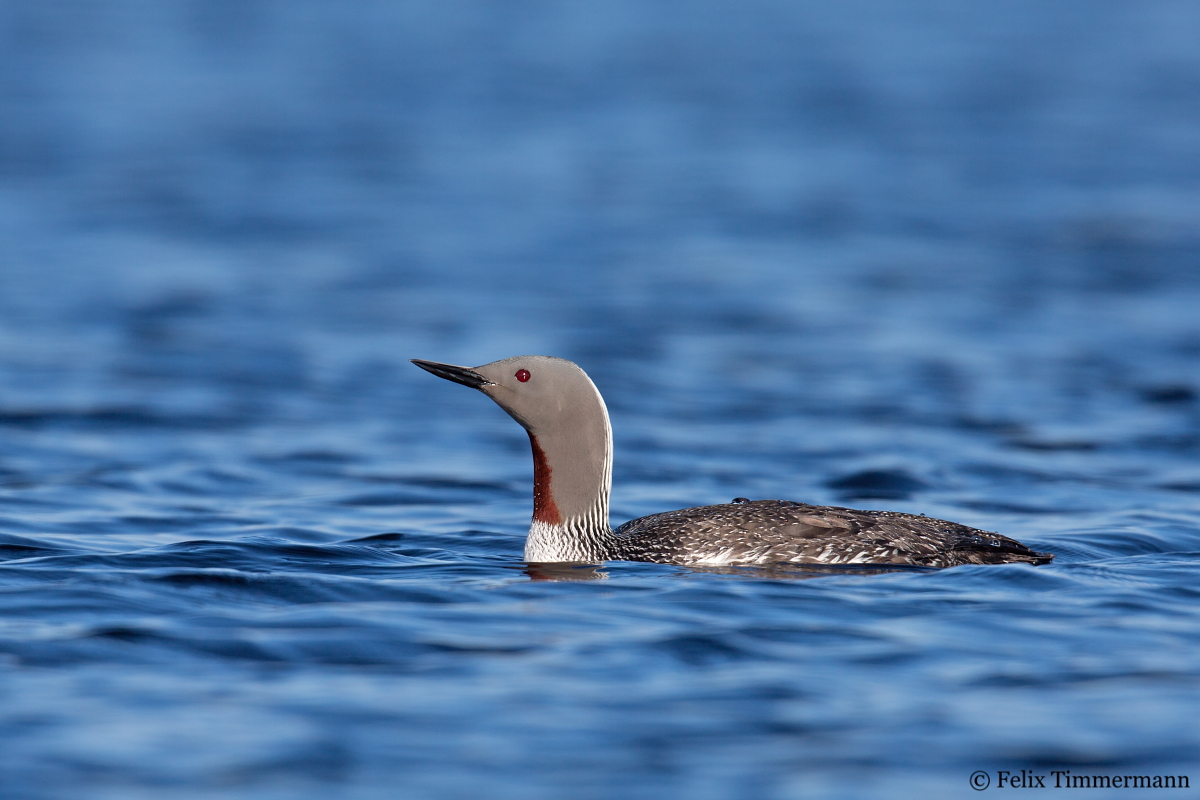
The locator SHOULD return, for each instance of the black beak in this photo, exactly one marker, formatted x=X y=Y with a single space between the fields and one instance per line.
x=467 y=377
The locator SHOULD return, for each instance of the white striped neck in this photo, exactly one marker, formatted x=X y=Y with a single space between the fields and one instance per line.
x=566 y=542
x=570 y=495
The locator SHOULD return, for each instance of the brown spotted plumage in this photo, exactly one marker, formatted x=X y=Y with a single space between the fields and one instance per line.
x=780 y=531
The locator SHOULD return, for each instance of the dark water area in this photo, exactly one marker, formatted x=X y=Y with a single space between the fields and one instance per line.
x=932 y=258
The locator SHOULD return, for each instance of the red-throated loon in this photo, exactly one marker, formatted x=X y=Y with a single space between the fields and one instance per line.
x=560 y=407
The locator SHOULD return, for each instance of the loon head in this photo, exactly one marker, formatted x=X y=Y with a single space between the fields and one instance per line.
x=567 y=421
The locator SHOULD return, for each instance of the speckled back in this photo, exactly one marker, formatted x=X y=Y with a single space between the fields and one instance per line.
x=782 y=531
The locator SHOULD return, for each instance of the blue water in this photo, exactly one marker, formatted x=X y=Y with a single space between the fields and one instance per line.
x=942 y=259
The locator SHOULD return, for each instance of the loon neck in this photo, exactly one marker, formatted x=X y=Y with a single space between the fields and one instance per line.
x=572 y=480
x=567 y=542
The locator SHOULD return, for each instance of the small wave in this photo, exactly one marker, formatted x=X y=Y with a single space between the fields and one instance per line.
x=117 y=417
x=884 y=484
x=17 y=547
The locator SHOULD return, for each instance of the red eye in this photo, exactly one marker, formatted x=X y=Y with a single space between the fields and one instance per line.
x=522 y=375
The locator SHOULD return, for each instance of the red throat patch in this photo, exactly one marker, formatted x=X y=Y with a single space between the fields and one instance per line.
x=544 y=508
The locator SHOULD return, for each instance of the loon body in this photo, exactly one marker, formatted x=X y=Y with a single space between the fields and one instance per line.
x=567 y=421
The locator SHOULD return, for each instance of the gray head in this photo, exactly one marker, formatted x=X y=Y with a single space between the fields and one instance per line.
x=560 y=407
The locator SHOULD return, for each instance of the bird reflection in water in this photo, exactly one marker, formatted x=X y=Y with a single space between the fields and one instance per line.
x=565 y=572
x=790 y=572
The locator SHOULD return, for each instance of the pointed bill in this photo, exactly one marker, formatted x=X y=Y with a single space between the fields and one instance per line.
x=463 y=375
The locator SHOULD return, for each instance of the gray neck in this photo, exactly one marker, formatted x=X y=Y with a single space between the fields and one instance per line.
x=572 y=479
